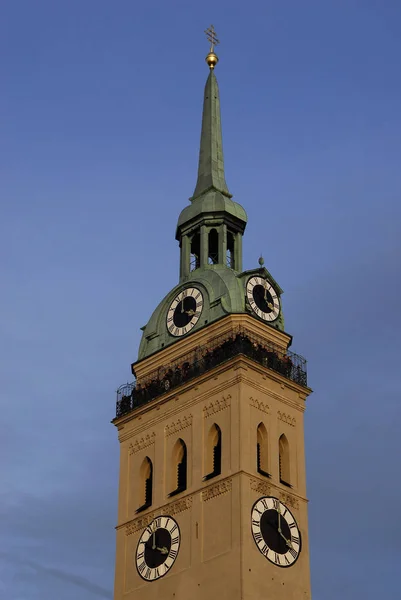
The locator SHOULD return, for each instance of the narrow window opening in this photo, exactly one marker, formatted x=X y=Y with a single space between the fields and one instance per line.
x=213 y=459
x=146 y=483
x=179 y=465
x=284 y=460
x=230 y=256
x=262 y=451
x=213 y=257
x=195 y=252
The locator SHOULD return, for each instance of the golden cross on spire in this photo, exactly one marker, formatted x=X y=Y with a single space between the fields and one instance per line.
x=211 y=36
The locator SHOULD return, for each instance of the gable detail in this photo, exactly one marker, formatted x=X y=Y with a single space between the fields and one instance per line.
x=286 y=419
x=178 y=425
x=141 y=443
x=223 y=487
x=263 y=406
x=217 y=406
x=171 y=509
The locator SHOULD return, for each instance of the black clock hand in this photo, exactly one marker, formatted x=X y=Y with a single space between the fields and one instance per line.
x=288 y=542
x=279 y=519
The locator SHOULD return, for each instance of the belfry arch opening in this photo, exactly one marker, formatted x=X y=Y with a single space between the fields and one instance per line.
x=213 y=452
x=284 y=460
x=262 y=454
x=145 y=484
x=179 y=467
x=213 y=247
x=230 y=255
x=195 y=252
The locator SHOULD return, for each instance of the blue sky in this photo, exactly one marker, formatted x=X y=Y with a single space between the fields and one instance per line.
x=101 y=112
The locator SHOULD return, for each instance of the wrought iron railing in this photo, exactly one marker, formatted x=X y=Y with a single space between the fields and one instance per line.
x=187 y=367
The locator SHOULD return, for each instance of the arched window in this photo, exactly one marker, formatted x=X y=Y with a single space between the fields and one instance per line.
x=262 y=451
x=146 y=484
x=213 y=452
x=230 y=260
x=213 y=255
x=179 y=467
x=195 y=252
x=284 y=460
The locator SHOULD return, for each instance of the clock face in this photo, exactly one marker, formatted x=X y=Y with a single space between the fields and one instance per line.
x=184 y=311
x=158 y=548
x=263 y=298
x=275 y=531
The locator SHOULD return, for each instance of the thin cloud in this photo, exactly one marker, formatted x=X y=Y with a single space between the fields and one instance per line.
x=62 y=575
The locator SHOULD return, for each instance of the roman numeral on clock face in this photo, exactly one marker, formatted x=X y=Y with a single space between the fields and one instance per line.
x=173 y=554
x=258 y=537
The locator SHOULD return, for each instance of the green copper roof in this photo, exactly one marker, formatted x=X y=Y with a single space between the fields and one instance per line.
x=209 y=231
x=213 y=202
x=211 y=161
x=211 y=196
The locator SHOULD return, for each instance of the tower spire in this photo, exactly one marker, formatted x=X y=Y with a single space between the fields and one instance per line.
x=211 y=160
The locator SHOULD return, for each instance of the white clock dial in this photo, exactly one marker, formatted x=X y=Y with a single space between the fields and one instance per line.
x=158 y=548
x=263 y=298
x=185 y=311
x=275 y=531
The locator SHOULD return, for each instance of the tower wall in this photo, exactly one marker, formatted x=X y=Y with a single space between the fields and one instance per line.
x=217 y=557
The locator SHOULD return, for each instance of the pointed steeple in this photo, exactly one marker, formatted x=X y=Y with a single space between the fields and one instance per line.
x=211 y=160
x=210 y=229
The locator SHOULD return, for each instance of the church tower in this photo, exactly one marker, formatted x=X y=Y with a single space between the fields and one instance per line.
x=212 y=495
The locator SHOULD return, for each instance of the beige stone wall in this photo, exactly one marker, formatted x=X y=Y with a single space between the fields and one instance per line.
x=217 y=557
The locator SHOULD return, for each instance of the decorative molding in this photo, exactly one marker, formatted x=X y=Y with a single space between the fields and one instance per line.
x=264 y=407
x=177 y=507
x=261 y=487
x=139 y=523
x=223 y=487
x=217 y=406
x=286 y=418
x=178 y=425
x=169 y=509
x=289 y=499
x=142 y=443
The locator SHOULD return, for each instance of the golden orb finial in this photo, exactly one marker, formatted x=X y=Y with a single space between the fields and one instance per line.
x=212 y=58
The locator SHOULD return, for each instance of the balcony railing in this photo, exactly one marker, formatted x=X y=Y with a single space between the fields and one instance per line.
x=199 y=361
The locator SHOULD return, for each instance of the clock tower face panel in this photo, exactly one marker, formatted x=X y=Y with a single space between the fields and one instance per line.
x=275 y=531
x=158 y=548
x=263 y=298
x=184 y=311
